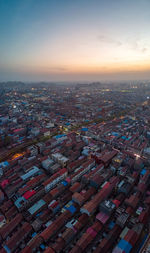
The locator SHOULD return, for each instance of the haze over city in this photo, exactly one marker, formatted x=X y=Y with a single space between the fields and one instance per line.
x=74 y=40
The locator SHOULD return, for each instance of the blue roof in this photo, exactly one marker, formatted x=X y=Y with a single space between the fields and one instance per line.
x=65 y=183
x=36 y=206
x=7 y=249
x=111 y=225
x=20 y=201
x=60 y=136
x=124 y=138
x=4 y=164
x=143 y=172
x=39 y=214
x=42 y=246
x=124 y=245
x=34 y=234
x=85 y=152
x=115 y=133
x=67 y=124
x=72 y=209
x=70 y=203
x=30 y=173
x=84 y=129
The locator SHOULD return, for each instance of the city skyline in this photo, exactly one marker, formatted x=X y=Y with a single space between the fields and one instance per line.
x=74 y=40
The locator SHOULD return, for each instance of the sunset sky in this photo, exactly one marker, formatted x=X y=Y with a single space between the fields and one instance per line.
x=74 y=40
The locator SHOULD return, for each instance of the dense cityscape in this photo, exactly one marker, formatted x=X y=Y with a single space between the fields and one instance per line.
x=74 y=167
x=74 y=126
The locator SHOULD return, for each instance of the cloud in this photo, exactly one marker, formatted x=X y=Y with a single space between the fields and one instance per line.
x=139 y=46
x=136 y=44
x=109 y=40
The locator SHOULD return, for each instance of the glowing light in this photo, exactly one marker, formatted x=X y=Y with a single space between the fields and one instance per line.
x=18 y=155
x=138 y=156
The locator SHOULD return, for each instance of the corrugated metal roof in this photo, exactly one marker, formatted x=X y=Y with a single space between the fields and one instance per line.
x=36 y=206
x=30 y=173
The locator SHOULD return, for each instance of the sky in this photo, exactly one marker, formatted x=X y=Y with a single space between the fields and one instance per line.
x=74 y=40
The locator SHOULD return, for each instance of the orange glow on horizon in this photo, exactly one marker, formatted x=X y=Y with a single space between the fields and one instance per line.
x=115 y=67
